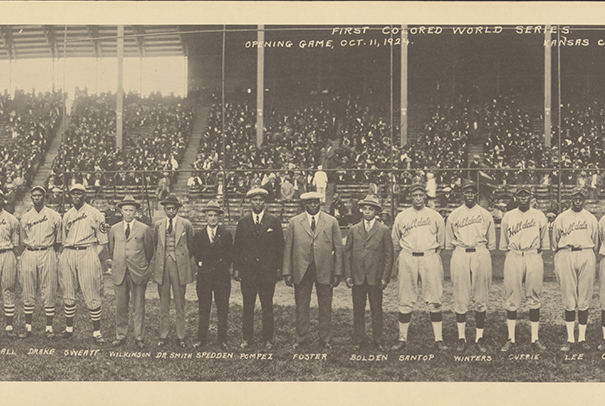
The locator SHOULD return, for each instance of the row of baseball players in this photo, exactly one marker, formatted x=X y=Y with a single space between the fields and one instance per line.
x=311 y=254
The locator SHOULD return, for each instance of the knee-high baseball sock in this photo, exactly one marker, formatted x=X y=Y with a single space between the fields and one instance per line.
x=9 y=314
x=404 y=324
x=603 y=322
x=461 y=324
x=582 y=323
x=95 y=315
x=480 y=324
x=534 y=320
x=511 y=323
x=70 y=312
x=28 y=311
x=437 y=322
x=50 y=314
x=570 y=319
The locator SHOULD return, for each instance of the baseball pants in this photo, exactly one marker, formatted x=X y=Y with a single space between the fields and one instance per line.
x=81 y=267
x=518 y=266
x=8 y=277
x=575 y=271
x=430 y=270
x=38 y=269
x=602 y=281
x=471 y=274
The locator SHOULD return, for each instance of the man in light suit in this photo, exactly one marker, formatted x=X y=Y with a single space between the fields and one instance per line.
x=213 y=251
x=173 y=266
x=368 y=261
x=259 y=249
x=130 y=250
x=313 y=256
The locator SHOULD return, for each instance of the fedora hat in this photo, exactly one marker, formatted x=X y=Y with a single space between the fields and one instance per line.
x=213 y=206
x=370 y=200
x=172 y=199
x=129 y=201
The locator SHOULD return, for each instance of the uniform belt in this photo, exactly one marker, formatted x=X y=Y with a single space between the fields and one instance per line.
x=37 y=249
x=572 y=249
x=78 y=248
x=424 y=253
x=576 y=249
x=470 y=249
x=5 y=250
x=528 y=252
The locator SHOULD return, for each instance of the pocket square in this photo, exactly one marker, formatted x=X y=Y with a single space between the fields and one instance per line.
x=269 y=230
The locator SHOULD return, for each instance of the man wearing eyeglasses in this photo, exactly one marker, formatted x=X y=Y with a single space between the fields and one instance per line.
x=575 y=239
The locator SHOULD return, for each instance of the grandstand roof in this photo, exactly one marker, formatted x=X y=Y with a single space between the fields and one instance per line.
x=58 y=41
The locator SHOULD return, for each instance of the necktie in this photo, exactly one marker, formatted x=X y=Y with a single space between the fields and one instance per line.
x=127 y=230
x=313 y=223
x=212 y=231
x=257 y=219
x=257 y=226
x=170 y=226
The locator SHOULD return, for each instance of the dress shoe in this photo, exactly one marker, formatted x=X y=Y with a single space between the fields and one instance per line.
x=140 y=344
x=537 y=345
x=480 y=344
x=268 y=345
x=26 y=334
x=602 y=346
x=99 y=340
x=66 y=334
x=119 y=342
x=198 y=344
x=223 y=345
x=566 y=347
x=440 y=345
x=508 y=346
x=461 y=345
x=245 y=344
x=300 y=345
x=11 y=334
x=181 y=343
x=378 y=346
x=583 y=346
x=399 y=345
x=49 y=335
x=325 y=345
x=163 y=342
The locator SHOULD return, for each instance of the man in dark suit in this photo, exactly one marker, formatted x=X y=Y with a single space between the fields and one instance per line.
x=368 y=261
x=313 y=256
x=258 y=249
x=130 y=250
x=173 y=266
x=213 y=251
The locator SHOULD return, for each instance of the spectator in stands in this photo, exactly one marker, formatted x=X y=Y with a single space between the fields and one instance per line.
x=273 y=187
x=320 y=182
x=287 y=190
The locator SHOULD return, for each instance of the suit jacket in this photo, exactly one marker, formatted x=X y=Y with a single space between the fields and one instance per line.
x=262 y=252
x=327 y=248
x=183 y=248
x=368 y=255
x=213 y=257
x=134 y=253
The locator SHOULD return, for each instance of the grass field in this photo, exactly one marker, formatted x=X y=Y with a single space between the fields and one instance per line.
x=78 y=359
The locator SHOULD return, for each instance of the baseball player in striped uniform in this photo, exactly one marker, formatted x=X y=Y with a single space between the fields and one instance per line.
x=418 y=239
x=471 y=233
x=523 y=236
x=602 y=278
x=575 y=239
x=40 y=234
x=84 y=237
x=9 y=241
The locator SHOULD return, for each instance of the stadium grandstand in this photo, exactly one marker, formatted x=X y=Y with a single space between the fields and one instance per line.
x=373 y=107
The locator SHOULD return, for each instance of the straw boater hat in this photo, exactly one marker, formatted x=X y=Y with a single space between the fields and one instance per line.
x=311 y=196
x=129 y=201
x=172 y=199
x=77 y=186
x=213 y=206
x=257 y=191
x=38 y=187
x=370 y=200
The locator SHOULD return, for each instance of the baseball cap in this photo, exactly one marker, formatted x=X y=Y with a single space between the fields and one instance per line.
x=77 y=186
x=417 y=186
x=38 y=187
x=579 y=191
x=469 y=184
x=523 y=188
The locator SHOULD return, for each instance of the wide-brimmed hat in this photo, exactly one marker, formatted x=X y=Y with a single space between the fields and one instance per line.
x=213 y=206
x=469 y=184
x=311 y=196
x=38 y=187
x=257 y=191
x=417 y=186
x=579 y=191
x=129 y=201
x=172 y=199
x=77 y=186
x=370 y=200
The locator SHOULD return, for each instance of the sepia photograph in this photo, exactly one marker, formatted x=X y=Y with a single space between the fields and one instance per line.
x=254 y=203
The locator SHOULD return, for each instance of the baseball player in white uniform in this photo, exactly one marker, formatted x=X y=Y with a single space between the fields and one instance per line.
x=40 y=234
x=575 y=239
x=471 y=233
x=9 y=241
x=602 y=278
x=84 y=237
x=523 y=236
x=418 y=239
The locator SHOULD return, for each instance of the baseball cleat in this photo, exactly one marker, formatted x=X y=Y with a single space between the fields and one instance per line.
x=583 y=346
x=99 y=340
x=481 y=345
x=66 y=334
x=601 y=346
x=440 y=345
x=11 y=334
x=399 y=345
x=49 y=335
x=566 y=347
x=508 y=346
x=461 y=345
x=537 y=345
x=26 y=334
